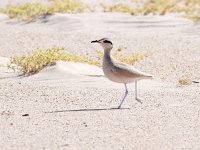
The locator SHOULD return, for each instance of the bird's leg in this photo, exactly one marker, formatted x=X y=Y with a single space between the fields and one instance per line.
x=126 y=93
x=136 y=90
x=136 y=98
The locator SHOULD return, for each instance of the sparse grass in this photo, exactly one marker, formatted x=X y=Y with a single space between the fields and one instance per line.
x=194 y=17
x=188 y=8
x=40 y=58
x=117 y=7
x=2 y=65
x=191 y=8
x=29 y=11
x=129 y=59
x=159 y=7
x=132 y=58
x=185 y=81
x=66 y=6
x=25 y=11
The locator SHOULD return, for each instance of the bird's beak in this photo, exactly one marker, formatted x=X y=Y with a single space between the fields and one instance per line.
x=95 y=41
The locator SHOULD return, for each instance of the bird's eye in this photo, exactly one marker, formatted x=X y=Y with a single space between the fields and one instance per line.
x=106 y=41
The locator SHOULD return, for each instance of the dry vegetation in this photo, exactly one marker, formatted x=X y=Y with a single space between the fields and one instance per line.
x=39 y=58
x=188 y=8
x=185 y=81
x=6 y=113
x=1 y=65
x=65 y=6
x=156 y=7
x=129 y=59
x=29 y=11
x=117 y=7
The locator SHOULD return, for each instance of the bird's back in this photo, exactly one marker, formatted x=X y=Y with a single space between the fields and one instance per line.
x=121 y=72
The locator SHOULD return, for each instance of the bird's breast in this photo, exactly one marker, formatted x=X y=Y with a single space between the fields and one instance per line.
x=113 y=74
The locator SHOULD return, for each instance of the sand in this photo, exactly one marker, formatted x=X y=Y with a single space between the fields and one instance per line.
x=70 y=105
x=172 y=41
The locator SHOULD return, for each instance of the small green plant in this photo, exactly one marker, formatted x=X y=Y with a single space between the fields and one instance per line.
x=39 y=58
x=29 y=11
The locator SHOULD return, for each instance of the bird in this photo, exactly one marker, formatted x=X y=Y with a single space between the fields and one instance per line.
x=118 y=71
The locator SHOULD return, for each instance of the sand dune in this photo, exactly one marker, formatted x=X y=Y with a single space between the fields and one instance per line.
x=60 y=70
x=154 y=34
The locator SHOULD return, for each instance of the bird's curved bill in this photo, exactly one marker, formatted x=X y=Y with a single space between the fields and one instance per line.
x=95 y=41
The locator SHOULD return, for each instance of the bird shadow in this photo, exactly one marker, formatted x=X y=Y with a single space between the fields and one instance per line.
x=87 y=110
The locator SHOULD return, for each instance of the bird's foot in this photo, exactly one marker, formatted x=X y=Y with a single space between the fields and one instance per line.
x=118 y=107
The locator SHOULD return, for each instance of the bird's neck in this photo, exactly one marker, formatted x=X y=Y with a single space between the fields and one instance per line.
x=107 y=53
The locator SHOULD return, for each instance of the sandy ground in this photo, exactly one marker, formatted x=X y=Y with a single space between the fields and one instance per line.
x=72 y=111
x=73 y=108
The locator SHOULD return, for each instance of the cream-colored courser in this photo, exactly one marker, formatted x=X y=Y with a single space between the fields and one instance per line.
x=120 y=72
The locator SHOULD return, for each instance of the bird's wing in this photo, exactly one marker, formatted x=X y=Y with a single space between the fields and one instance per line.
x=128 y=70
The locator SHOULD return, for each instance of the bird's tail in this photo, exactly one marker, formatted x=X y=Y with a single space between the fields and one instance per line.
x=148 y=76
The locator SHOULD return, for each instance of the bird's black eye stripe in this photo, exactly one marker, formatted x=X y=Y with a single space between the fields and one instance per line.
x=106 y=41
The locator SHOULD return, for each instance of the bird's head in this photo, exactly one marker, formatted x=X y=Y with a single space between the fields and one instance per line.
x=105 y=43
